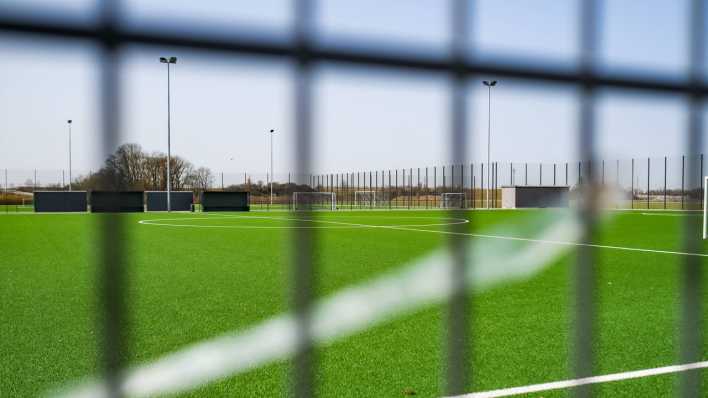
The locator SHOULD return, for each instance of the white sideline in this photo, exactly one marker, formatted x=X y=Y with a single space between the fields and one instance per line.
x=557 y=385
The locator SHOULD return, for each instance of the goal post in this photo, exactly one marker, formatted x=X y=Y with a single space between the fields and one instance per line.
x=452 y=200
x=314 y=201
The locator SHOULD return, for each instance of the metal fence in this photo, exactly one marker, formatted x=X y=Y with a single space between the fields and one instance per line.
x=638 y=183
x=302 y=51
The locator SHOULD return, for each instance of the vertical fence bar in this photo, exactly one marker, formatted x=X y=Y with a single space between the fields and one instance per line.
x=472 y=185
x=692 y=273
x=427 y=189
x=665 y=166
x=417 y=201
x=648 y=180
x=481 y=186
x=683 y=181
x=554 y=174
x=585 y=261
x=632 y=195
x=305 y=239
x=540 y=174
x=112 y=278
x=458 y=359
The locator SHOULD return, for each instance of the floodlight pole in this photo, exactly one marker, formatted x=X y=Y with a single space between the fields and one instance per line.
x=489 y=85
x=271 y=166
x=168 y=61
x=69 y=123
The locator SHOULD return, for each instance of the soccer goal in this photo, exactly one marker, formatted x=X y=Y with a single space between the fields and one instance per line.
x=452 y=200
x=314 y=201
x=366 y=199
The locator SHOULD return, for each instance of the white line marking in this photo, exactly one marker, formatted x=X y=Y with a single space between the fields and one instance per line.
x=671 y=214
x=416 y=285
x=555 y=242
x=408 y=228
x=338 y=224
x=557 y=385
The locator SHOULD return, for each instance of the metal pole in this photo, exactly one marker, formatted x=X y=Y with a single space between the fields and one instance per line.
x=632 y=195
x=683 y=181
x=271 y=167
x=554 y=174
x=665 y=164
x=169 y=154
x=69 y=123
x=648 y=179
x=489 y=137
x=427 y=194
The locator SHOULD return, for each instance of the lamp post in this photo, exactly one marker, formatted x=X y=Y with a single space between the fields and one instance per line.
x=69 y=123
x=271 y=165
x=168 y=61
x=489 y=85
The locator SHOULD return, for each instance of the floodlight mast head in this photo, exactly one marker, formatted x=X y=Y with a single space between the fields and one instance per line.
x=69 y=121
x=489 y=83
x=171 y=60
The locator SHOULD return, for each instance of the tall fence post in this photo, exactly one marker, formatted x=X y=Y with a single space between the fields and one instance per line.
x=417 y=189
x=435 y=183
x=648 y=180
x=665 y=165
x=471 y=185
x=427 y=189
x=554 y=174
x=481 y=185
x=632 y=195
x=683 y=181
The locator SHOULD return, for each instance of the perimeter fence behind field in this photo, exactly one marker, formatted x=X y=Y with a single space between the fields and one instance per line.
x=638 y=183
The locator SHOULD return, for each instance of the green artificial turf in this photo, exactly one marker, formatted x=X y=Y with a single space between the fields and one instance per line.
x=188 y=284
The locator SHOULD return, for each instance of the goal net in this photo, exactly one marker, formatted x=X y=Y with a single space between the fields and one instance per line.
x=366 y=199
x=452 y=200
x=314 y=201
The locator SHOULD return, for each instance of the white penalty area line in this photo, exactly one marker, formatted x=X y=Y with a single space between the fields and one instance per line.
x=557 y=385
x=551 y=242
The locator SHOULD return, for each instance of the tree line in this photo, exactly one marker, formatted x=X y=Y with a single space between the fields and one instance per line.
x=131 y=168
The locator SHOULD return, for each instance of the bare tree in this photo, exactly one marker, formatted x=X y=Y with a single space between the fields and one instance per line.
x=201 y=178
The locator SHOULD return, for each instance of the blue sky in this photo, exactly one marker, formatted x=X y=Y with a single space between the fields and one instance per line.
x=364 y=119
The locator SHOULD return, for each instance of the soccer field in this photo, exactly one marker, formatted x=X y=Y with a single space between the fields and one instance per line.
x=194 y=278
